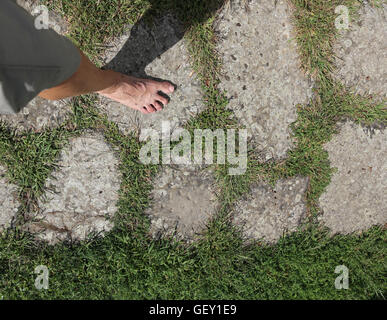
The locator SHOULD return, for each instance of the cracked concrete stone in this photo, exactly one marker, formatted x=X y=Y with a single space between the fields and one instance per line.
x=183 y=200
x=82 y=193
x=40 y=113
x=361 y=53
x=261 y=72
x=8 y=202
x=267 y=213
x=154 y=52
x=355 y=199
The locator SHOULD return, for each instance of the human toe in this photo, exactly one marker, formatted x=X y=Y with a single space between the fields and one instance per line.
x=167 y=87
x=162 y=99
x=158 y=105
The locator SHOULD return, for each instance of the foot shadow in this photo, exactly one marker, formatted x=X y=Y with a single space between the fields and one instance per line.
x=148 y=41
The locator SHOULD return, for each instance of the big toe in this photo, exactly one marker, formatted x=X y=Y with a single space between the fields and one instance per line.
x=167 y=87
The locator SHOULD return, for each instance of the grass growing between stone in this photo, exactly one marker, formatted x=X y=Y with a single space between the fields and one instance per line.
x=126 y=264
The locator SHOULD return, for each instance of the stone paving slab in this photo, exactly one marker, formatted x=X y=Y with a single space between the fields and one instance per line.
x=156 y=52
x=267 y=213
x=82 y=192
x=183 y=201
x=355 y=199
x=8 y=202
x=56 y=22
x=40 y=113
x=261 y=71
x=361 y=53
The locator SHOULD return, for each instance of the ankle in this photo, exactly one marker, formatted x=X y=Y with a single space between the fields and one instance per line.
x=110 y=80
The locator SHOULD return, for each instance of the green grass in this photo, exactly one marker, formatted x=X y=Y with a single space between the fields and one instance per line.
x=126 y=263
x=123 y=266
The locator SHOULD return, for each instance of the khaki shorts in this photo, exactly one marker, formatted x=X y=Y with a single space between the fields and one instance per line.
x=31 y=59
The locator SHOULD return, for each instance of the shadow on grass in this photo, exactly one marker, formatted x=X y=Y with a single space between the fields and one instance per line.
x=159 y=29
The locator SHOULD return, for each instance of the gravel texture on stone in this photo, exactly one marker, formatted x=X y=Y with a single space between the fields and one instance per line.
x=355 y=199
x=157 y=52
x=183 y=200
x=82 y=193
x=8 y=202
x=261 y=71
x=361 y=53
x=40 y=113
x=267 y=213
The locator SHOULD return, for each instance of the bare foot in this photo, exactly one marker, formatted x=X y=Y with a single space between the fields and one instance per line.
x=140 y=94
